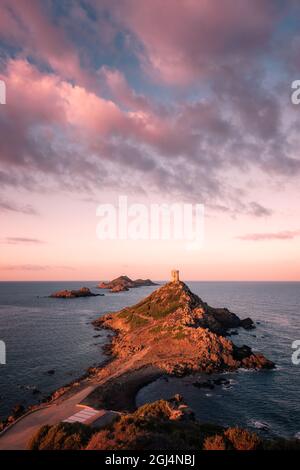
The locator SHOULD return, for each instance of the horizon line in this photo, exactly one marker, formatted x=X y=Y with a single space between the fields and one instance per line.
x=154 y=280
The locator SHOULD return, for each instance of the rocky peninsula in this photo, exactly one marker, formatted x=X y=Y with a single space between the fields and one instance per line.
x=124 y=283
x=170 y=332
x=177 y=332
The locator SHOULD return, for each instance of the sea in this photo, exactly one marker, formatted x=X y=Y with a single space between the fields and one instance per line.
x=43 y=334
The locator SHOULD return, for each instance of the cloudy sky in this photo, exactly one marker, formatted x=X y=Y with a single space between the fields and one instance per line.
x=163 y=101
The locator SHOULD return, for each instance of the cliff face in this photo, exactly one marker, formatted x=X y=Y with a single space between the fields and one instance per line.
x=177 y=332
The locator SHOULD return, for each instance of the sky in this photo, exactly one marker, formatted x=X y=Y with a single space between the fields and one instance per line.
x=163 y=101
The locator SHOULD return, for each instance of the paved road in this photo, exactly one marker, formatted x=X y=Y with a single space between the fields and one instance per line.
x=17 y=437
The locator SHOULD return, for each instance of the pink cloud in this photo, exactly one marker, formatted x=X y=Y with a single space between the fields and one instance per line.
x=28 y=24
x=21 y=240
x=285 y=235
x=66 y=132
x=9 y=206
x=41 y=106
x=42 y=99
x=33 y=267
x=187 y=39
x=121 y=91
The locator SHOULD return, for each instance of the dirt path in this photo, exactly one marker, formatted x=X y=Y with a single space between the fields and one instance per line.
x=119 y=393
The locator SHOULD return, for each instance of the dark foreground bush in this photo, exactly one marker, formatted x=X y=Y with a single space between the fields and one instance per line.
x=282 y=444
x=62 y=436
x=233 y=439
x=216 y=442
x=240 y=439
x=158 y=425
x=166 y=425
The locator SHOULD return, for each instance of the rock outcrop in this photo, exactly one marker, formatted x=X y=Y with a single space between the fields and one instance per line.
x=175 y=331
x=119 y=288
x=72 y=294
x=16 y=413
x=124 y=283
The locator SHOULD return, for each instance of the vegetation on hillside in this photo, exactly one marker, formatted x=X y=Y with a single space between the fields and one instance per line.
x=62 y=436
x=161 y=425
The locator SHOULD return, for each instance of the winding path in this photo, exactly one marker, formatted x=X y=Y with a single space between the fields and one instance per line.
x=18 y=435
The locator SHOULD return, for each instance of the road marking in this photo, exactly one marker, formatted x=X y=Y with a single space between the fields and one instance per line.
x=82 y=416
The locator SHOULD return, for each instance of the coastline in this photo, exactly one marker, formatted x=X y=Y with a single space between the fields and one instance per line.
x=114 y=384
x=61 y=393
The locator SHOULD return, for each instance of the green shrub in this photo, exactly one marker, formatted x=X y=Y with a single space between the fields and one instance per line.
x=158 y=311
x=159 y=409
x=216 y=442
x=151 y=427
x=62 y=436
x=136 y=321
x=180 y=335
x=157 y=329
x=242 y=439
x=124 y=314
x=153 y=307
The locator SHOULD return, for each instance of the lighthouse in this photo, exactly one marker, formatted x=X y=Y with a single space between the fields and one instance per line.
x=174 y=275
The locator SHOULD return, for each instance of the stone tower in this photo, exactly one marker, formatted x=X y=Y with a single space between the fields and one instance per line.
x=174 y=275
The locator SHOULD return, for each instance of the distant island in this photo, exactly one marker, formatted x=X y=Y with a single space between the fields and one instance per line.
x=72 y=294
x=124 y=283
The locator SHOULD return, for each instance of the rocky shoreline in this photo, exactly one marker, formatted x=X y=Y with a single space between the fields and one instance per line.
x=174 y=330
x=135 y=358
x=171 y=332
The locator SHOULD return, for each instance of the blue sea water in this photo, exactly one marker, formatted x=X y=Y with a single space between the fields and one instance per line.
x=43 y=333
x=264 y=401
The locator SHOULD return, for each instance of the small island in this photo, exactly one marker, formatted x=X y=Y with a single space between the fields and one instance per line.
x=73 y=294
x=124 y=283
